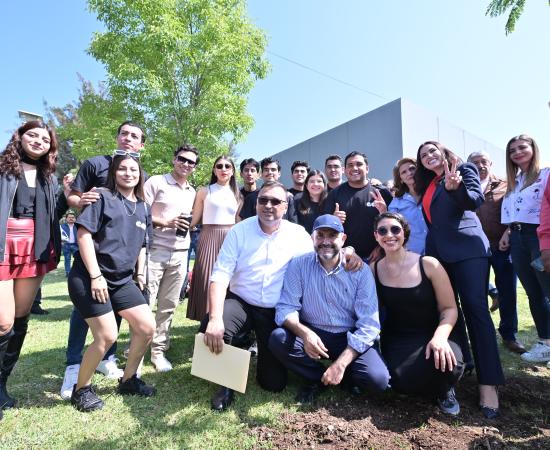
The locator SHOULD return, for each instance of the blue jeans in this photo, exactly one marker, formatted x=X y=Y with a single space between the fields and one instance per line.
x=68 y=251
x=506 y=282
x=524 y=248
x=78 y=329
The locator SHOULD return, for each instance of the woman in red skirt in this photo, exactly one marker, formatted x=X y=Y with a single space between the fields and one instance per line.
x=30 y=241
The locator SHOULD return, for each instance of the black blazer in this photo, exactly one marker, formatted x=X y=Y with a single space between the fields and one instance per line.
x=455 y=233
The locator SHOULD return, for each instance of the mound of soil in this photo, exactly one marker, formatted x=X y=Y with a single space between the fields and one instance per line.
x=392 y=421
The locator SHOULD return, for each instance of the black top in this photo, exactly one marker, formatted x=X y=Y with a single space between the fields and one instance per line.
x=118 y=229
x=294 y=191
x=93 y=173
x=360 y=214
x=245 y=193
x=249 y=207
x=23 y=202
x=306 y=219
x=409 y=311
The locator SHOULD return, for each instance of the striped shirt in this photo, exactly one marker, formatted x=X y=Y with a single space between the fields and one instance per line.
x=337 y=301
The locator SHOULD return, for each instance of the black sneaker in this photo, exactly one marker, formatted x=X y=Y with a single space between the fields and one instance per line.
x=135 y=386
x=85 y=399
x=37 y=309
x=448 y=404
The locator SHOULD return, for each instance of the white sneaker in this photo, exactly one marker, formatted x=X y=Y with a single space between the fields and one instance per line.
x=161 y=363
x=69 y=380
x=254 y=348
x=540 y=352
x=109 y=368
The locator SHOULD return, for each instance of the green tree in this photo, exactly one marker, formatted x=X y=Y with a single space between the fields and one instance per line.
x=186 y=67
x=88 y=126
x=498 y=7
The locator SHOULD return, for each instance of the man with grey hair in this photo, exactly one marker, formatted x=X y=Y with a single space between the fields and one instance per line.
x=494 y=189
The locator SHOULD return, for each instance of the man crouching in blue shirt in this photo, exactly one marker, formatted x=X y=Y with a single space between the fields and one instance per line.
x=328 y=313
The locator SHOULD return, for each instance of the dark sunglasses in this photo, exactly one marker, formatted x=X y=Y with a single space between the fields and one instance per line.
x=394 y=229
x=274 y=201
x=126 y=153
x=221 y=166
x=183 y=160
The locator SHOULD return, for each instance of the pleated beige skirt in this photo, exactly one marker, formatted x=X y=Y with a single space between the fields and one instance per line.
x=208 y=247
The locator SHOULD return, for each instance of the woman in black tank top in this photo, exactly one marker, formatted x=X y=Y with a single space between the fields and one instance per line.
x=419 y=314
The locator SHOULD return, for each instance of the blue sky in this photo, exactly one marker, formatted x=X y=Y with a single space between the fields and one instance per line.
x=447 y=57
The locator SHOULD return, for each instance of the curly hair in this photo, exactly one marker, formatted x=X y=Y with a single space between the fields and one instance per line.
x=10 y=159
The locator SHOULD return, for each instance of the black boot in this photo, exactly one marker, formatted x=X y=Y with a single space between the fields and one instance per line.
x=13 y=349
x=4 y=340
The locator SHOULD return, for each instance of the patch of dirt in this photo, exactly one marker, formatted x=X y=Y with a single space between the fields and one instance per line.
x=392 y=421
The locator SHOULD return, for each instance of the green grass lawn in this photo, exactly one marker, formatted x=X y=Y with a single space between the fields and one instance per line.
x=178 y=417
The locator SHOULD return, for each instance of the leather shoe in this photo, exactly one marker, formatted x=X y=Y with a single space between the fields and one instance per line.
x=309 y=393
x=515 y=346
x=222 y=399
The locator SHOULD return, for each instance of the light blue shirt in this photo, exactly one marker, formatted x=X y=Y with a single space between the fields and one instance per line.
x=337 y=301
x=407 y=207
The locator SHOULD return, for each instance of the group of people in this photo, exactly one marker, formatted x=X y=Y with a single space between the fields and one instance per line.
x=388 y=285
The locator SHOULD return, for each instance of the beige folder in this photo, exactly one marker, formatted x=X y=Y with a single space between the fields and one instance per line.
x=228 y=368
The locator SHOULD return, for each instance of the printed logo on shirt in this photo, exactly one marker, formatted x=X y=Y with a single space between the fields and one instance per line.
x=141 y=225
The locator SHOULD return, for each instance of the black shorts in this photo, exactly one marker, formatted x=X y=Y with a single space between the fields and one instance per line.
x=120 y=298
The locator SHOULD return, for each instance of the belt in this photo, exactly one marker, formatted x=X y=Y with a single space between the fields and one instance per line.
x=518 y=226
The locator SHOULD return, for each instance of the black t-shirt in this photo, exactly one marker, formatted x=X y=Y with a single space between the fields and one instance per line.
x=306 y=219
x=294 y=191
x=249 y=207
x=93 y=173
x=118 y=228
x=246 y=193
x=360 y=214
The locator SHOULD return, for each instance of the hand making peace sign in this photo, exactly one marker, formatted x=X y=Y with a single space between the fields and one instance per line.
x=452 y=177
x=378 y=201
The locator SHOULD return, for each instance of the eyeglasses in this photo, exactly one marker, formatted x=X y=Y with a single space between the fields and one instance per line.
x=223 y=166
x=264 y=201
x=183 y=160
x=394 y=230
x=135 y=155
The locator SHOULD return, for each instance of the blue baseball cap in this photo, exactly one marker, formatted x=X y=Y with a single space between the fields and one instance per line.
x=328 y=221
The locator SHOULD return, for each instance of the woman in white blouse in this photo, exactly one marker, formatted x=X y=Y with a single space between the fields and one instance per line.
x=521 y=211
x=215 y=207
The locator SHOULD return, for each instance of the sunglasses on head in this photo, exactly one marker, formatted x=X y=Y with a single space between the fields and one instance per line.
x=394 y=230
x=183 y=160
x=221 y=166
x=126 y=153
x=274 y=201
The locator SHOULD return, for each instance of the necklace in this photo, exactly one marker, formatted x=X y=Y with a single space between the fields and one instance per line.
x=128 y=209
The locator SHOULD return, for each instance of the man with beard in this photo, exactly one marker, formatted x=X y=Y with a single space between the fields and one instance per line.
x=326 y=312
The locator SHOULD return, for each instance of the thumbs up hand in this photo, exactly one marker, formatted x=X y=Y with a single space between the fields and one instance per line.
x=340 y=214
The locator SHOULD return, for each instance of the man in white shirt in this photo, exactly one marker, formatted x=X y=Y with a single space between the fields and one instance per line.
x=171 y=198
x=252 y=264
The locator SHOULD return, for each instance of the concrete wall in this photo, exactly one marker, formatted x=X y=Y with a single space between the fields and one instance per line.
x=385 y=135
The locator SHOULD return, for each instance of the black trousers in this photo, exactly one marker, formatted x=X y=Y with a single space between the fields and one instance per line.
x=240 y=317
x=469 y=279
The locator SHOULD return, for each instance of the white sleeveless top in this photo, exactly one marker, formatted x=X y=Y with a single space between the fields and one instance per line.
x=220 y=206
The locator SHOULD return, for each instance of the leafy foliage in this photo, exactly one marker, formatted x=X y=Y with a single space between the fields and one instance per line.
x=185 y=68
x=498 y=7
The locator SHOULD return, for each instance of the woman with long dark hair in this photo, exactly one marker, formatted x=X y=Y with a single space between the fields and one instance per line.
x=420 y=313
x=112 y=235
x=521 y=212
x=216 y=207
x=406 y=203
x=450 y=193
x=30 y=240
x=309 y=202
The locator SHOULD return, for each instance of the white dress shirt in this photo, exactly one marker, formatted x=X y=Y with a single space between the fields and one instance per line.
x=253 y=263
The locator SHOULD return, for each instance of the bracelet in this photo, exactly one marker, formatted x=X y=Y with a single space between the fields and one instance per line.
x=95 y=278
x=140 y=274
